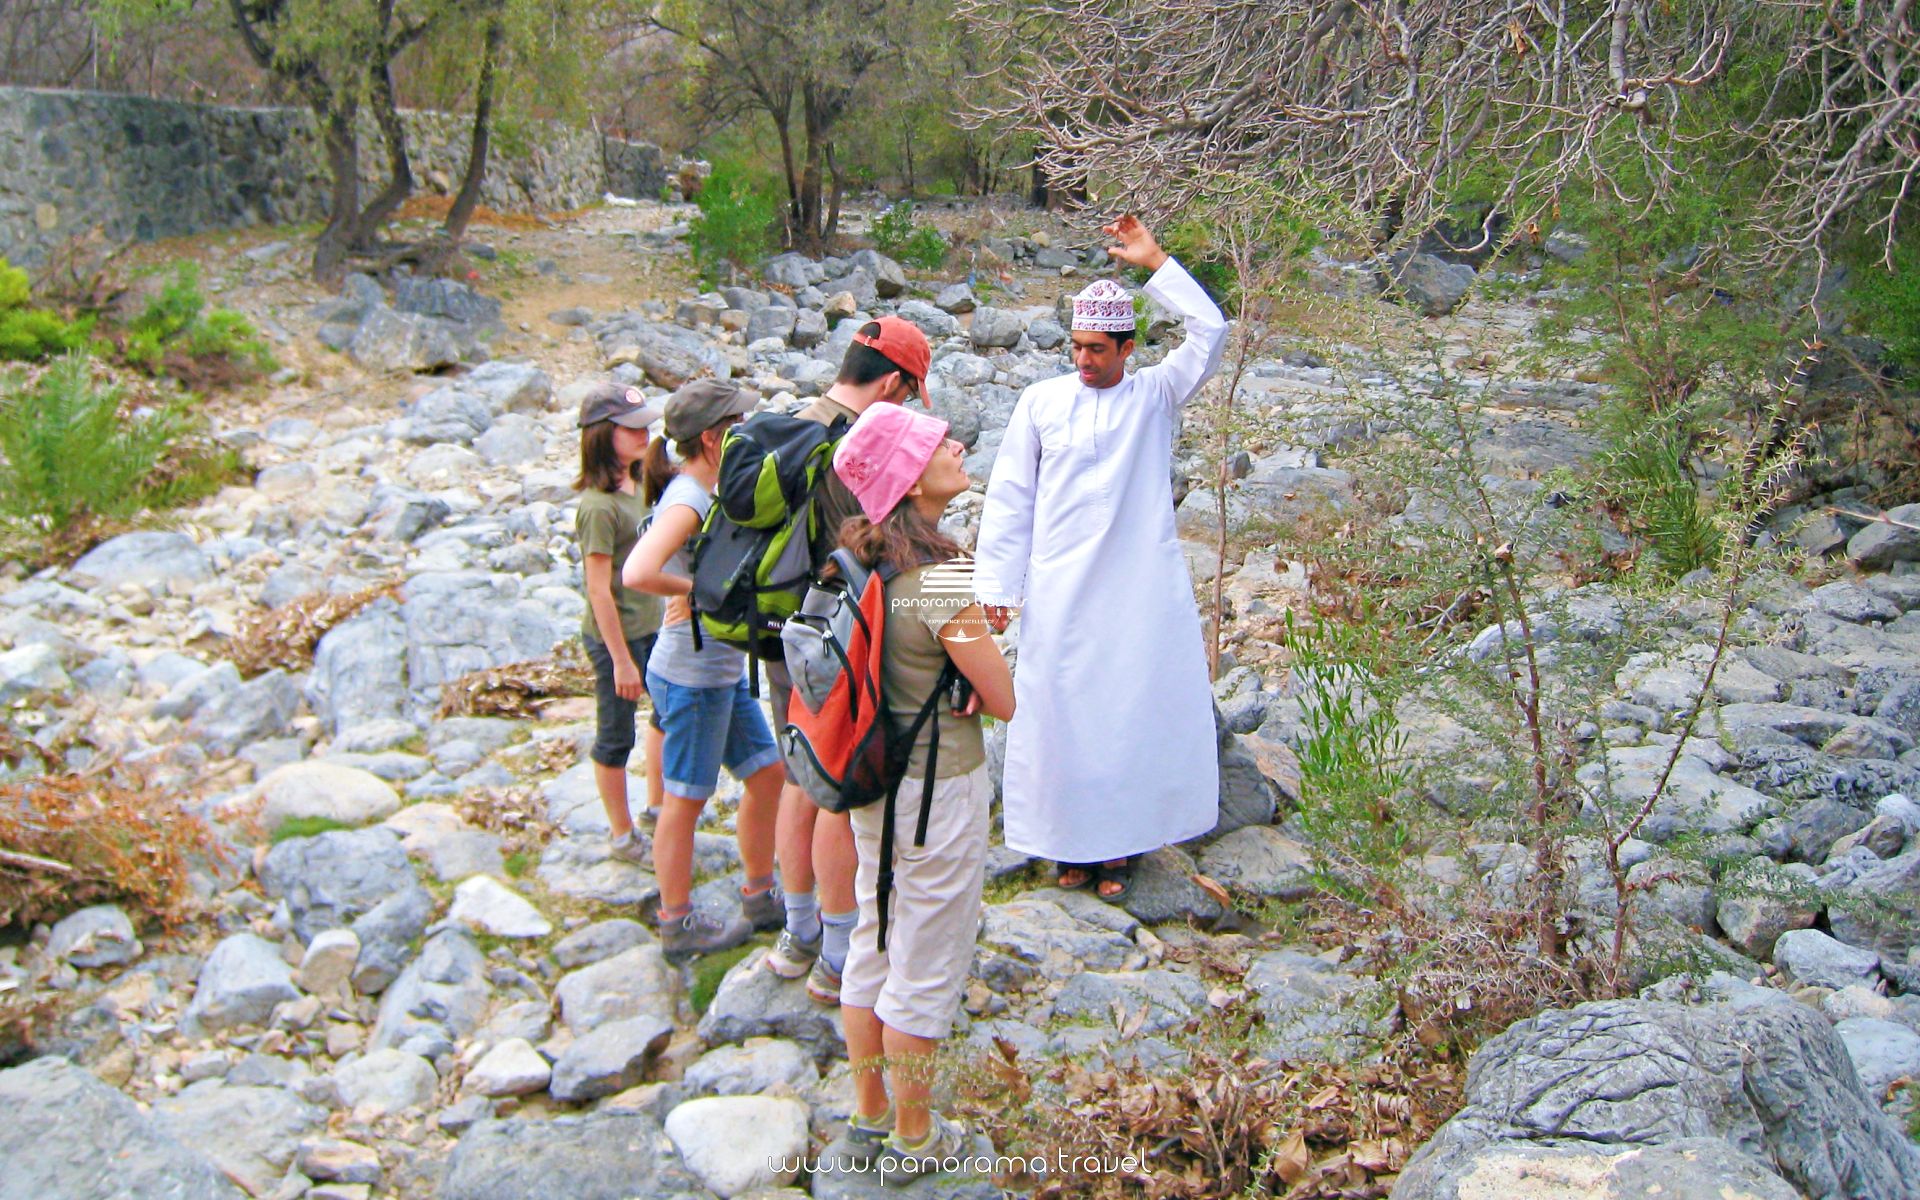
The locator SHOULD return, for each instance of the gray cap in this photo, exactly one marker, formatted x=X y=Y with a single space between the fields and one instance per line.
x=618 y=403
x=701 y=404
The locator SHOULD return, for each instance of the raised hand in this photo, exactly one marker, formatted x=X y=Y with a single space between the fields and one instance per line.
x=1136 y=248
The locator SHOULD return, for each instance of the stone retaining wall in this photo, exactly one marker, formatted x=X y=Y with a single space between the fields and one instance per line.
x=144 y=169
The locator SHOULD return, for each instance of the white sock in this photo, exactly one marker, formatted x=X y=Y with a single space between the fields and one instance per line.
x=803 y=916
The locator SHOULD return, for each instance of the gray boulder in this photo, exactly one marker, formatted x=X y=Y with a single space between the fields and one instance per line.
x=59 y=1120
x=389 y=342
x=792 y=270
x=1429 y=284
x=928 y=319
x=1768 y=1077
x=251 y=1133
x=889 y=280
x=448 y=299
x=633 y=983
x=437 y=1001
x=956 y=298
x=995 y=328
x=1261 y=861
x=771 y=322
x=448 y=414
x=610 y=1058
x=809 y=329
x=1882 y=1051
x=97 y=936
x=462 y=621
x=151 y=558
x=32 y=669
x=239 y=984
x=330 y=879
x=510 y=387
x=359 y=669
x=1880 y=910
x=1881 y=543
x=752 y=1002
x=1160 y=1000
x=401 y=514
x=599 y=1156
x=388 y=932
x=257 y=709
x=1164 y=890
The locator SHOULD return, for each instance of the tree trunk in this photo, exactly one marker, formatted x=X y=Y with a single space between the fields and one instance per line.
x=811 y=217
x=399 y=171
x=343 y=204
x=783 y=127
x=833 y=200
x=468 y=198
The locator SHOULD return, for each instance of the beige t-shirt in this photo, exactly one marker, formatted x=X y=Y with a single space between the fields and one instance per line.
x=911 y=661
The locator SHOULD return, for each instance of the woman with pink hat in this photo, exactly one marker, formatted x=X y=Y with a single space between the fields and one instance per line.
x=897 y=1004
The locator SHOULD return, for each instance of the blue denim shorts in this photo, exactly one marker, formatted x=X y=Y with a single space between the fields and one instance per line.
x=706 y=728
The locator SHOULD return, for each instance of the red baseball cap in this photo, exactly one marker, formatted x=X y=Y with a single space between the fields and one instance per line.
x=903 y=344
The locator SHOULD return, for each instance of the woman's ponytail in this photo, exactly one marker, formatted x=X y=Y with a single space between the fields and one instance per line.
x=657 y=470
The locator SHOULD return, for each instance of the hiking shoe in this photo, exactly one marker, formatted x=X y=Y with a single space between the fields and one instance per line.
x=823 y=983
x=790 y=957
x=868 y=1139
x=765 y=910
x=701 y=933
x=631 y=847
x=902 y=1163
x=649 y=817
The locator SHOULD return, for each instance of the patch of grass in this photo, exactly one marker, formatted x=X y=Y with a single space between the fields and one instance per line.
x=517 y=863
x=301 y=827
x=1012 y=887
x=176 y=332
x=709 y=971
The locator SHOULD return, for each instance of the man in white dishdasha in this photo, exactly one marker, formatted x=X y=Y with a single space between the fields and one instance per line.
x=1111 y=753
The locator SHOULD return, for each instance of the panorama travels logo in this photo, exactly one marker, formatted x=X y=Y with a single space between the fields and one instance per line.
x=948 y=587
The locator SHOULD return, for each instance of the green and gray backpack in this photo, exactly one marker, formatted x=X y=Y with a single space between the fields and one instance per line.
x=753 y=557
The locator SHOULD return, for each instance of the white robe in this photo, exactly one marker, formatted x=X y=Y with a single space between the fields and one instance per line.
x=1112 y=749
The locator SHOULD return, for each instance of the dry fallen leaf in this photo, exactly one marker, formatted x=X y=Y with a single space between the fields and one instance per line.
x=1214 y=889
x=1291 y=1160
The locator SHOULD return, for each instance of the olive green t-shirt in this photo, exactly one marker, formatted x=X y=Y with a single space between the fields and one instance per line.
x=609 y=523
x=918 y=607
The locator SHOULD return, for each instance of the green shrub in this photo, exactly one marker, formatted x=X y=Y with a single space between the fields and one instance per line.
x=305 y=827
x=67 y=450
x=1890 y=304
x=1644 y=477
x=735 y=228
x=177 y=319
x=897 y=235
x=28 y=334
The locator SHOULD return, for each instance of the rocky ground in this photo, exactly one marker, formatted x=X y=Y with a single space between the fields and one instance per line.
x=421 y=974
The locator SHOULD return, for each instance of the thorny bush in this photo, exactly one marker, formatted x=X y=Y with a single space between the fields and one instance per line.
x=285 y=637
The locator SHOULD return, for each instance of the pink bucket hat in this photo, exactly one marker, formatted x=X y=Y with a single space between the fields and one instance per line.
x=884 y=453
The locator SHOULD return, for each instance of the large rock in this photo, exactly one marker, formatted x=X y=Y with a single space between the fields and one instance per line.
x=1683 y=1168
x=385 y=1082
x=1430 y=284
x=448 y=414
x=1279 y=494
x=239 y=984
x=68 y=1136
x=390 y=342
x=150 y=558
x=740 y=1144
x=1880 y=910
x=387 y=933
x=1158 y=1000
x=512 y=1068
x=360 y=669
x=611 y=1057
x=1695 y=799
x=889 y=280
x=464 y=621
x=330 y=879
x=252 y=1133
x=995 y=328
x=1768 y=1077
x=600 y=1156
x=437 y=1002
x=257 y=709
x=633 y=983
x=510 y=387
x=1261 y=861
x=327 y=791
x=772 y=322
x=1164 y=889
x=486 y=905
x=98 y=936
x=1882 y=543
x=752 y=1002
x=759 y=1065
x=33 y=669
